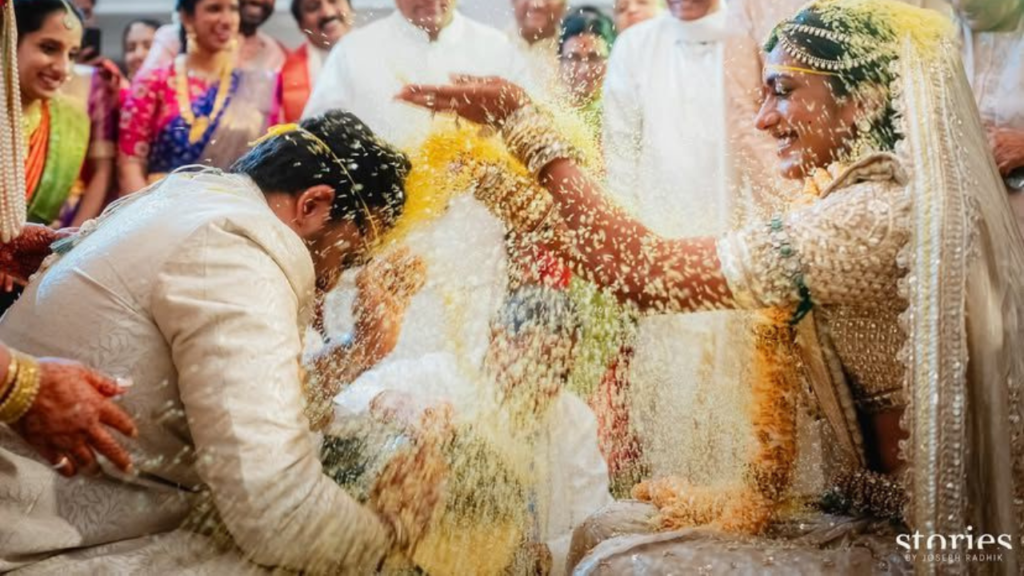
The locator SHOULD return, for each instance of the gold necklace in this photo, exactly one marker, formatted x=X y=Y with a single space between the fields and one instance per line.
x=199 y=125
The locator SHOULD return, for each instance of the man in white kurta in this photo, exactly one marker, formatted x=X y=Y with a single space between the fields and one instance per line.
x=463 y=248
x=683 y=155
x=992 y=33
x=197 y=291
x=371 y=64
x=535 y=36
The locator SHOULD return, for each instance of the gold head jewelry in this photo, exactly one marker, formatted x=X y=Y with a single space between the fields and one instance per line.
x=70 y=20
x=870 y=30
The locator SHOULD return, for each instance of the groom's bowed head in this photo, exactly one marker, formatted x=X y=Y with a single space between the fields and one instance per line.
x=333 y=182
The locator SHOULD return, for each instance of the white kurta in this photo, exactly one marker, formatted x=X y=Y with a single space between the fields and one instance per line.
x=369 y=66
x=541 y=58
x=197 y=292
x=570 y=475
x=994 y=62
x=681 y=152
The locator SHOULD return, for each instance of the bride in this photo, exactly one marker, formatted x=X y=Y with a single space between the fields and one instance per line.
x=891 y=308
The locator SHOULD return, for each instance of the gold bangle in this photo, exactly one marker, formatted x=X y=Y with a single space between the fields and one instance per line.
x=12 y=373
x=530 y=136
x=26 y=388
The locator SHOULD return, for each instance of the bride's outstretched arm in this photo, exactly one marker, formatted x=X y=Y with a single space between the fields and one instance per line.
x=617 y=252
x=842 y=249
x=601 y=241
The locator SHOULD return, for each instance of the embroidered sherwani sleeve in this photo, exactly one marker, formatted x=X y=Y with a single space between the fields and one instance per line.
x=623 y=127
x=229 y=314
x=843 y=248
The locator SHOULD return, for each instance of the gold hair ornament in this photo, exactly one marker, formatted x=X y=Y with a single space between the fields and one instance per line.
x=69 y=15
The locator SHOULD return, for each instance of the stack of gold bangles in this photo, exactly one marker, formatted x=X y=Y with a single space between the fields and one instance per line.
x=531 y=137
x=19 y=388
x=516 y=199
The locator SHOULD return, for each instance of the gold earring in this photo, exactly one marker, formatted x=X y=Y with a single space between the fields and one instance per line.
x=190 y=40
x=863 y=125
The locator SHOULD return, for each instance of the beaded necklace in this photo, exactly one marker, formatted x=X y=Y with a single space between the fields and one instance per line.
x=12 y=137
x=199 y=124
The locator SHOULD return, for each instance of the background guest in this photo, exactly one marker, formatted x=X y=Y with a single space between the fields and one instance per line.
x=256 y=51
x=630 y=12
x=993 y=52
x=136 y=43
x=57 y=129
x=535 y=36
x=323 y=22
x=422 y=41
x=201 y=108
x=681 y=152
x=586 y=42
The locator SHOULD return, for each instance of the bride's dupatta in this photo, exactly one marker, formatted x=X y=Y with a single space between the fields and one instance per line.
x=964 y=353
x=248 y=114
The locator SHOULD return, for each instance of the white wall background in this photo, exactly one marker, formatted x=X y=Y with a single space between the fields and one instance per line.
x=113 y=15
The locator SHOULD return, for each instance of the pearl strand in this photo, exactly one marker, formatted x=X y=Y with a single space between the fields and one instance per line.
x=12 y=137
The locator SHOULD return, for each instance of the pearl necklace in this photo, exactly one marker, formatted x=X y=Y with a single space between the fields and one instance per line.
x=12 y=136
x=199 y=125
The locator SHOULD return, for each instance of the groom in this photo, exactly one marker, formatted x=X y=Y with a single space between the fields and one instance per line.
x=200 y=289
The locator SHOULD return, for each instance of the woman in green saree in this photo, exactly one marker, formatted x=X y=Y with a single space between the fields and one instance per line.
x=57 y=131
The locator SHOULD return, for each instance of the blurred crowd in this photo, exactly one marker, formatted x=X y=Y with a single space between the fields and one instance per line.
x=196 y=92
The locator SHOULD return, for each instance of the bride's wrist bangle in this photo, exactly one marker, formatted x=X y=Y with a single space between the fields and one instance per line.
x=515 y=199
x=24 y=391
x=528 y=133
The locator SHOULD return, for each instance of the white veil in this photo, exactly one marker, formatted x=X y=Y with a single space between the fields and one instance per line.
x=964 y=348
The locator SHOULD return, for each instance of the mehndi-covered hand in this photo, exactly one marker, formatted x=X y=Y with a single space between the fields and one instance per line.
x=22 y=257
x=72 y=417
x=484 y=100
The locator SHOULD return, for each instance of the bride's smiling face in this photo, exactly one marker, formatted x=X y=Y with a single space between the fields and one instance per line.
x=810 y=124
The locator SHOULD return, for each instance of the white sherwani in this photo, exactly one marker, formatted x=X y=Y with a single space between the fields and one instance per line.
x=683 y=154
x=197 y=292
